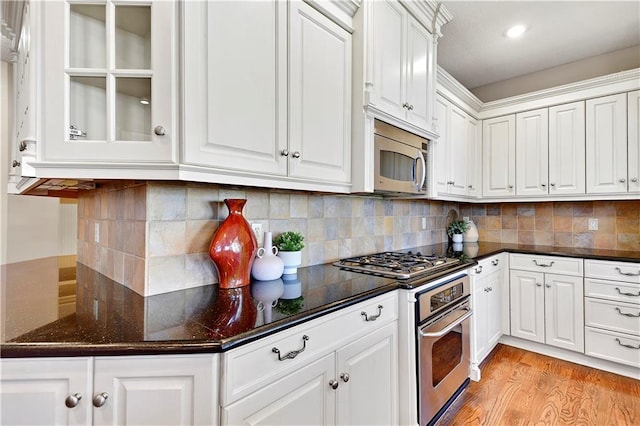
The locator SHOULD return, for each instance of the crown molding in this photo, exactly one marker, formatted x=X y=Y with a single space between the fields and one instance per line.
x=432 y=14
x=450 y=87
x=622 y=81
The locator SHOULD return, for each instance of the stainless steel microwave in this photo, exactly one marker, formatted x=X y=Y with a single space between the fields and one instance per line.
x=400 y=160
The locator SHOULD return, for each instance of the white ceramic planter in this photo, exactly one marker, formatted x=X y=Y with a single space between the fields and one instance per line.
x=457 y=238
x=291 y=259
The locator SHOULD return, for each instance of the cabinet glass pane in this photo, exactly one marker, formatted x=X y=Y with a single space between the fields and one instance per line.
x=133 y=37
x=88 y=107
x=133 y=109
x=87 y=36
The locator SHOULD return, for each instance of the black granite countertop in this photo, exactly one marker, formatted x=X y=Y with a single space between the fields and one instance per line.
x=110 y=319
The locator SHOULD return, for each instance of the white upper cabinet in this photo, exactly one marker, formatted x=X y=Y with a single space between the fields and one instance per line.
x=532 y=152
x=633 y=110
x=455 y=153
x=401 y=82
x=606 y=156
x=499 y=156
x=320 y=96
x=267 y=95
x=109 y=81
x=235 y=110
x=567 y=149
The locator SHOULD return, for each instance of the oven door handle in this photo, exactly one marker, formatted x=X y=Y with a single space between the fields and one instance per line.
x=450 y=327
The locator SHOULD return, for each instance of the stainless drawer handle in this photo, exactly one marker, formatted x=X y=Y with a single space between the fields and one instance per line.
x=627 y=346
x=544 y=265
x=292 y=354
x=372 y=317
x=626 y=314
x=627 y=294
x=628 y=274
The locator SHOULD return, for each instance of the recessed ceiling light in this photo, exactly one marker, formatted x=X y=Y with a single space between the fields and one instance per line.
x=515 y=31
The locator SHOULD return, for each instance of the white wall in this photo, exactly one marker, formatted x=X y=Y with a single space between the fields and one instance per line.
x=621 y=60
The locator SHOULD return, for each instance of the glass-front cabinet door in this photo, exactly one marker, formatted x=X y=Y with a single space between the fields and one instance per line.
x=109 y=88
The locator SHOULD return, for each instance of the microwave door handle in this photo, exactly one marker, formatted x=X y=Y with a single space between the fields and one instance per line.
x=424 y=169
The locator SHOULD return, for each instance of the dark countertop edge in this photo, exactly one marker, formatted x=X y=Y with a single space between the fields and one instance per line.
x=586 y=253
x=79 y=349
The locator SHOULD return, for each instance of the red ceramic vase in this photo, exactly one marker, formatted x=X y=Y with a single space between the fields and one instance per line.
x=233 y=247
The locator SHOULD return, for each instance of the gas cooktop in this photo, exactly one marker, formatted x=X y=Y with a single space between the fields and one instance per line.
x=397 y=264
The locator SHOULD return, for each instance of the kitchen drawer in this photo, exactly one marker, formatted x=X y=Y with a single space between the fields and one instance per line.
x=612 y=346
x=612 y=290
x=614 y=316
x=547 y=264
x=253 y=366
x=488 y=265
x=628 y=272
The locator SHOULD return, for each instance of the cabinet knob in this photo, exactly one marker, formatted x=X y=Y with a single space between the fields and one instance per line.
x=22 y=146
x=490 y=289
x=334 y=384
x=284 y=152
x=73 y=400
x=495 y=262
x=479 y=269
x=410 y=108
x=15 y=163
x=553 y=185
x=634 y=180
x=296 y=154
x=510 y=187
x=538 y=284
x=544 y=185
x=405 y=105
x=486 y=289
x=547 y=285
x=344 y=377
x=470 y=186
x=100 y=399
x=623 y=180
x=159 y=130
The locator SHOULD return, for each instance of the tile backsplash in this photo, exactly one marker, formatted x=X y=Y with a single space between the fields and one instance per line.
x=561 y=224
x=154 y=237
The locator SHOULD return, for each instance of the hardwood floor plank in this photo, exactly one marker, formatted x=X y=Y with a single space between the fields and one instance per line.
x=524 y=388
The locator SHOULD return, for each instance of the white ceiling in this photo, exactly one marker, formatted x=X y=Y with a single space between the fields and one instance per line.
x=475 y=52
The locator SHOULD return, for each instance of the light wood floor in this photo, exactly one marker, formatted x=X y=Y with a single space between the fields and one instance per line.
x=524 y=388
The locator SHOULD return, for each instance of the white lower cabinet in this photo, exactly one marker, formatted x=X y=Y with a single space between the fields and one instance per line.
x=142 y=390
x=612 y=311
x=547 y=307
x=340 y=369
x=490 y=300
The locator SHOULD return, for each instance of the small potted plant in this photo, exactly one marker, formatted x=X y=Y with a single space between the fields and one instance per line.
x=289 y=250
x=456 y=229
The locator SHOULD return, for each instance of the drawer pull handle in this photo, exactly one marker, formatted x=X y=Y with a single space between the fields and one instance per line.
x=626 y=314
x=544 y=265
x=628 y=274
x=627 y=346
x=372 y=317
x=495 y=262
x=479 y=269
x=627 y=294
x=292 y=354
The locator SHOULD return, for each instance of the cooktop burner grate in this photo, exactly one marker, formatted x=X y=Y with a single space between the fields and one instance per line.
x=396 y=264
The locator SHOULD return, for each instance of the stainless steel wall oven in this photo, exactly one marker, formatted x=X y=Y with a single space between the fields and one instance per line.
x=443 y=346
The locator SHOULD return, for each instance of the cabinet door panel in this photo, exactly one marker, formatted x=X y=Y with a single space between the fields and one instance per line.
x=527 y=305
x=301 y=398
x=33 y=391
x=440 y=146
x=370 y=394
x=532 y=153
x=320 y=98
x=633 y=99
x=606 y=136
x=564 y=313
x=239 y=123
x=389 y=20
x=567 y=149
x=419 y=56
x=458 y=151
x=474 y=156
x=498 y=156
x=155 y=390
